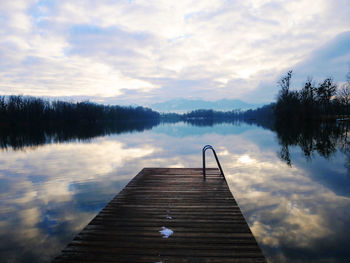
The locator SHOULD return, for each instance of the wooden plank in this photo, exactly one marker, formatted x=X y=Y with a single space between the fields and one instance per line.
x=207 y=224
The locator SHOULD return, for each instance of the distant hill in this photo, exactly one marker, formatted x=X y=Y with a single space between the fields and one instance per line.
x=184 y=105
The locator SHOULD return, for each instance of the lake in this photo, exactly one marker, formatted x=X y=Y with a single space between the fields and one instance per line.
x=291 y=183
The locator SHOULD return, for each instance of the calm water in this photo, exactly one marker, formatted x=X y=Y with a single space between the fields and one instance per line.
x=293 y=185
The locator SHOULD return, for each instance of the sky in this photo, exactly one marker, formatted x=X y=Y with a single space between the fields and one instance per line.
x=142 y=52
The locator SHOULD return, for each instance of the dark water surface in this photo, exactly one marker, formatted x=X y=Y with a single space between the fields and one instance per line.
x=292 y=183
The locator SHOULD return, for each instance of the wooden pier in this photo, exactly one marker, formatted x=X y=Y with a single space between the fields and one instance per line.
x=200 y=222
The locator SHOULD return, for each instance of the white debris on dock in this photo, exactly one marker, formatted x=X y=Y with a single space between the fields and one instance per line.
x=166 y=232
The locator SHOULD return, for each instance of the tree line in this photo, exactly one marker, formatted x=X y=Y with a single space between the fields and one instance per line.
x=314 y=101
x=264 y=112
x=26 y=109
x=321 y=101
x=18 y=109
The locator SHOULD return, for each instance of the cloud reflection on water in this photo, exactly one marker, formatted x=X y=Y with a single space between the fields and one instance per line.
x=286 y=208
x=50 y=193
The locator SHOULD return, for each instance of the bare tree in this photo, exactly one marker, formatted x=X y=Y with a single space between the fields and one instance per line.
x=284 y=84
x=344 y=94
x=325 y=92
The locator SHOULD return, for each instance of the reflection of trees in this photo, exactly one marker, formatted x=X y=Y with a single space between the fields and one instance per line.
x=344 y=146
x=346 y=152
x=19 y=137
x=285 y=155
x=209 y=122
x=311 y=137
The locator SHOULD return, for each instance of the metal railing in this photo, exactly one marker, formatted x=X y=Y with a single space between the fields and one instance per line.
x=216 y=158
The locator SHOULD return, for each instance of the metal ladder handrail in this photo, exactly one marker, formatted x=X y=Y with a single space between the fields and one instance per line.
x=206 y=147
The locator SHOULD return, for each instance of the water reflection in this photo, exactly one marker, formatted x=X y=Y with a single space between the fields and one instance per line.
x=25 y=136
x=298 y=213
x=50 y=193
x=312 y=137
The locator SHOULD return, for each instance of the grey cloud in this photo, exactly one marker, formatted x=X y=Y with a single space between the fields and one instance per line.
x=330 y=60
x=90 y=40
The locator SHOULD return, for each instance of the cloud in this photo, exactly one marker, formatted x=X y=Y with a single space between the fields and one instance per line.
x=113 y=48
x=330 y=60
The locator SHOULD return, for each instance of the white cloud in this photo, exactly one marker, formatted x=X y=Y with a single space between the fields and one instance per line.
x=109 y=48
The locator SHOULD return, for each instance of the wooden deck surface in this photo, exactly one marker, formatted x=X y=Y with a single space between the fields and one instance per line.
x=206 y=221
